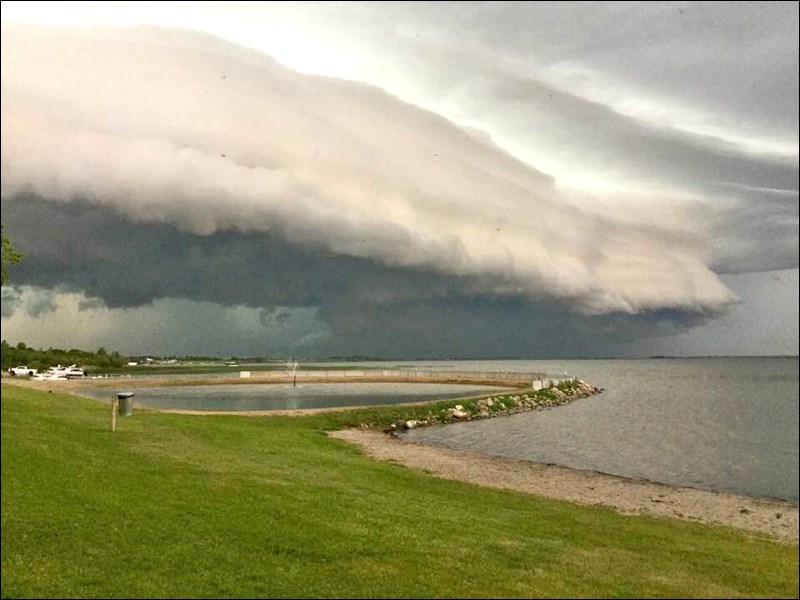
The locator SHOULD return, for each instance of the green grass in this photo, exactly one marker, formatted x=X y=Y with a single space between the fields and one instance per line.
x=224 y=506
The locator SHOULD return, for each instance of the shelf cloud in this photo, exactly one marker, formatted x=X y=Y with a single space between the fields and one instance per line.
x=179 y=128
x=148 y=164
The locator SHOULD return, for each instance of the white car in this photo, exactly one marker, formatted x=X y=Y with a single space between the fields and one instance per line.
x=22 y=371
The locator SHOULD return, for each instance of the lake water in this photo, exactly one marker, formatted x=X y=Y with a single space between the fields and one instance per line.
x=277 y=396
x=729 y=424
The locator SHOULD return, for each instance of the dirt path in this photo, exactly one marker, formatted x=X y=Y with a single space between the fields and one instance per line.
x=584 y=487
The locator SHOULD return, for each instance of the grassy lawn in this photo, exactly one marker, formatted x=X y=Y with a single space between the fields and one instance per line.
x=225 y=506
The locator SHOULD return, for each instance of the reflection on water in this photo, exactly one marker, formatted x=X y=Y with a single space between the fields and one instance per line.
x=279 y=396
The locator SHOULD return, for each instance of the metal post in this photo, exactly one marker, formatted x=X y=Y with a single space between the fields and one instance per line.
x=114 y=413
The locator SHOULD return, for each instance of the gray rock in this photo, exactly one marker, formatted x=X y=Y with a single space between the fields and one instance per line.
x=457 y=412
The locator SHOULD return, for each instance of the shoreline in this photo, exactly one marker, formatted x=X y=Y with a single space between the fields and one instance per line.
x=773 y=517
x=777 y=518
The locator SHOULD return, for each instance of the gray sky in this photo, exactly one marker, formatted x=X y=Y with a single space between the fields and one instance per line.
x=402 y=179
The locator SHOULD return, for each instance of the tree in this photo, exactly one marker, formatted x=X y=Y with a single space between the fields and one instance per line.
x=10 y=256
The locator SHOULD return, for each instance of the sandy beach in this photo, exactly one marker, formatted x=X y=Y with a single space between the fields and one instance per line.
x=771 y=517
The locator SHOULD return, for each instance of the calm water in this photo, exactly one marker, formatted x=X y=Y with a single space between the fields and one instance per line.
x=729 y=424
x=284 y=396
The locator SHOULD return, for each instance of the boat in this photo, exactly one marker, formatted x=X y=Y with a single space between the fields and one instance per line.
x=74 y=372
x=52 y=374
x=59 y=373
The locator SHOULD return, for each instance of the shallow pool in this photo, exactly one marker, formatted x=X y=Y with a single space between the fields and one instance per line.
x=282 y=396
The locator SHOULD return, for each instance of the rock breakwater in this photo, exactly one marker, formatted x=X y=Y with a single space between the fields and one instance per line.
x=503 y=404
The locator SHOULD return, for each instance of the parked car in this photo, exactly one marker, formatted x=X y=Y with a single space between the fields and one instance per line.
x=22 y=371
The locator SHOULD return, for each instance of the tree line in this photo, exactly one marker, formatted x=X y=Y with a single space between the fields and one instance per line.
x=21 y=354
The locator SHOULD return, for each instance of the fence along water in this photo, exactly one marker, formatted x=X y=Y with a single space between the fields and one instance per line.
x=510 y=378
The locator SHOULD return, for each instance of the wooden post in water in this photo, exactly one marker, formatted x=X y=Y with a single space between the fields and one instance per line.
x=114 y=413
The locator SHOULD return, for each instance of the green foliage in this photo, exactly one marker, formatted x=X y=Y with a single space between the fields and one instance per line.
x=545 y=394
x=499 y=404
x=21 y=354
x=10 y=256
x=222 y=507
x=568 y=386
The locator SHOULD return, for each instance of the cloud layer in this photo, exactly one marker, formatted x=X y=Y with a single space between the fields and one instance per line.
x=177 y=193
x=210 y=139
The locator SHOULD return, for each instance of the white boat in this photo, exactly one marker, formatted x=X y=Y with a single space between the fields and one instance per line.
x=74 y=372
x=51 y=374
x=59 y=373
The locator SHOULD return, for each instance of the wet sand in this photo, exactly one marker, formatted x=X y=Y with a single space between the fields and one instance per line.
x=773 y=517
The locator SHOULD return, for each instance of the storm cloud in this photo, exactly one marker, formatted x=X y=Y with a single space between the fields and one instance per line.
x=139 y=270
x=499 y=183
x=178 y=128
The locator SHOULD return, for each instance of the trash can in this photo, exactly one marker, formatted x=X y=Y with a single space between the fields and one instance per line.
x=125 y=403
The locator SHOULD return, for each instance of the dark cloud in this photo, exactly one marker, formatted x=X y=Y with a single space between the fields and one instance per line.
x=338 y=167
x=388 y=312
x=88 y=304
x=84 y=247
x=10 y=300
x=273 y=316
x=160 y=169
x=490 y=328
x=37 y=303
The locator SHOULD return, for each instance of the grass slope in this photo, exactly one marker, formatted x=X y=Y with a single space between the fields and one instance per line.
x=181 y=506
